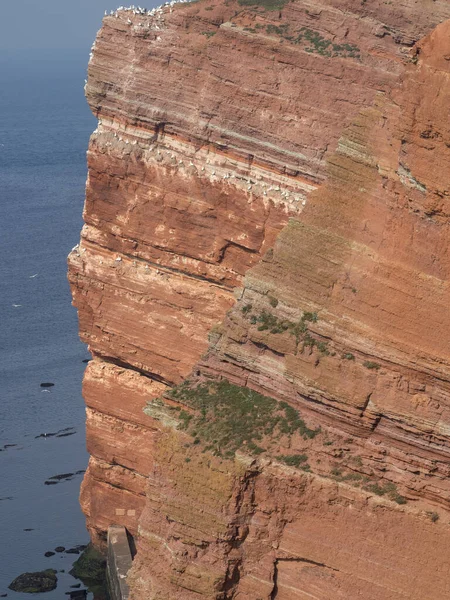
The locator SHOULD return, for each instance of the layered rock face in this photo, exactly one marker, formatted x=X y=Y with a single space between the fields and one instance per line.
x=368 y=258
x=305 y=148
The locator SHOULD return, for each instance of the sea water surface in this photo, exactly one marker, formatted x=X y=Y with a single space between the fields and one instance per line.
x=44 y=130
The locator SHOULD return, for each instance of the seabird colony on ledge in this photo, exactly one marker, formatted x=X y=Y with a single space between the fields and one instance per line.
x=137 y=10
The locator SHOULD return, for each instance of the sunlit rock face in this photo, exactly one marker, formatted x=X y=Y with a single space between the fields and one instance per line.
x=267 y=202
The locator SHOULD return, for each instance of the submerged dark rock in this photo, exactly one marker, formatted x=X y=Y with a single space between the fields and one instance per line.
x=77 y=595
x=49 y=553
x=47 y=384
x=59 y=433
x=7 y=446
x=62 y=476
x=35 y=583
x=76 y=549
x=60 y=549
x=91 y=566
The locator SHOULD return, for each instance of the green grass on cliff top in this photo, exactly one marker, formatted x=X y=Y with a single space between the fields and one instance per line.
x=228 y=417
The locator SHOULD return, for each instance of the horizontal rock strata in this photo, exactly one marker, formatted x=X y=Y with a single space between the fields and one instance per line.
x=219 y=125
x=367 y=259
x=237 y=530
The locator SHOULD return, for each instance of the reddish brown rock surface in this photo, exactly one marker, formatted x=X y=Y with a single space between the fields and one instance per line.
x=369 y=257
x=217 y=123
x=239 y=531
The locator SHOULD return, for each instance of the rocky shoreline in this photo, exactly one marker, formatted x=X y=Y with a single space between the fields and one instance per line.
x=89 y=569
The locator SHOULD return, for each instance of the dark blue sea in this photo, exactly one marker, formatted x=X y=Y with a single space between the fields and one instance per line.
x=44 y=130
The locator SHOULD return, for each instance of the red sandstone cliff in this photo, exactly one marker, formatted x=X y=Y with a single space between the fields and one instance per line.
x=217 y=124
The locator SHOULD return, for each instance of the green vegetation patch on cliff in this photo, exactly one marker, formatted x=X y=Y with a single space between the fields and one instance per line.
x=265 y=4
x=388 y=489
x=295 y=460
x=267 y=321
x=228 y=417
x=312 y=41
x=379 y=488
